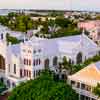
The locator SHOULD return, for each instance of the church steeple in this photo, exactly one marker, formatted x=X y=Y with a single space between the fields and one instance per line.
x=83 y=32
x=82 y=37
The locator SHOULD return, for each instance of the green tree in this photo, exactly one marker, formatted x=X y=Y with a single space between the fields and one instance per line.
x=11 y=39
x=4 y=20
x=62 y=22
x=44 y=88
x=96 y=90
x=30 y=25
x=98 y=17
x=2 y=87
x=12 y=14
x=44 y=30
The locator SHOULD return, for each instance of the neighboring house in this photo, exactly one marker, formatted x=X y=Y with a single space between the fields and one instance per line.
x=85 y=80
x=26 y=60
x=43 y=18
x=88 y=25
x=95 y=34
x=93 y=27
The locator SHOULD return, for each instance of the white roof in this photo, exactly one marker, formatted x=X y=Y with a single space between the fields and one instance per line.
x=59 y=45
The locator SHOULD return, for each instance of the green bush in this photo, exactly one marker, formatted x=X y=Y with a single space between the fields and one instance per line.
x=44 y=88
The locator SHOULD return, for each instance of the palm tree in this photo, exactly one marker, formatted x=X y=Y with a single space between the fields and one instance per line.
x=65 y=68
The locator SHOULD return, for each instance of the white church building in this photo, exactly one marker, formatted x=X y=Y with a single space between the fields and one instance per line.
x=24 y=61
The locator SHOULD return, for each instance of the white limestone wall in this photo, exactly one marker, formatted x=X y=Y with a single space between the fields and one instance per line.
x=16 y=60
x=3 y=48
x=3 y=53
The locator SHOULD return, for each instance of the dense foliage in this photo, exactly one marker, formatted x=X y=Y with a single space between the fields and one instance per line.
x=96 y=90
x=57 y=27
x=92 y=60
x=12 y=40
x=2 y=87
x=77 y=67
x=17 y=22
x=44 y=88
x=2 y=84
x=98 y=17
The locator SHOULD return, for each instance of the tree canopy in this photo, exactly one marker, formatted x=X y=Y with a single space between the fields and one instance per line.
x=11 y=39
x=44 y=87
x=96 y=90
x=2 y=87
x=62 y=22
x=17 y=22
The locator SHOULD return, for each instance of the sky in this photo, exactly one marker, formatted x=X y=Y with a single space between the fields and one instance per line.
x=91 y=5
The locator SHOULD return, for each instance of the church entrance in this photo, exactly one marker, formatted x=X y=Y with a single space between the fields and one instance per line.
x=46 y=64
x=79 y=58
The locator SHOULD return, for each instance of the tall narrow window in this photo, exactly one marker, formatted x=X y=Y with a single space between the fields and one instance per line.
x=39 y=61
x=29 y=62
x=24 y=72
x=34 y=62
x=27 y=72
x=24 y=61
x=2 y=36
x=30 y=74
x=9 y=67
x=14 y=68
x=21 y=73
x=34 y=74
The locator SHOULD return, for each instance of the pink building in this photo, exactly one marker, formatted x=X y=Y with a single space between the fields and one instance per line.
x=88 y=25
x=93 y=27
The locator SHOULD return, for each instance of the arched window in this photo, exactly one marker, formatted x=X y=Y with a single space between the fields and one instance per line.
x=30 y=74
x=14 y=68
x=39 y=61
x=34 y=74
x=27 y=61
x=34 y=51
x=13 y=84
x=99 y=52
x=55 y=61
x=8 y=83
x=24 y=72
x=46 y=63
x=2 y=79
x=27 y=73
x=79 y=58
x=39 y=50
x=21 y=75
x=34 y=62
x=2 y=36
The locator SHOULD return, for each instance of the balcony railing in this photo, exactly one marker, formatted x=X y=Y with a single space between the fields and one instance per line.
x=85 y=93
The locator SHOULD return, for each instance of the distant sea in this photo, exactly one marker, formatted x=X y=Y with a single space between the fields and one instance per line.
x=4 y=12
